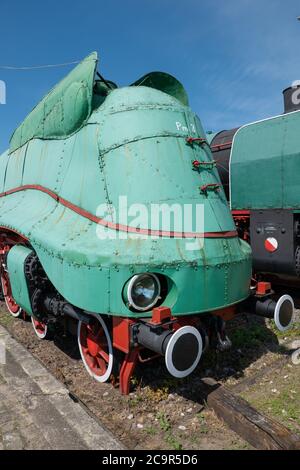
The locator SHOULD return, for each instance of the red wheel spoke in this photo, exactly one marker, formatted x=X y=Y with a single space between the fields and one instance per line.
x=101 y=364
x=104 y=355
x=96 y=348
x=90 y=360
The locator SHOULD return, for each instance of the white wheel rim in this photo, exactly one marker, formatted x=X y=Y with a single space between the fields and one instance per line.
x=104 y=377
x=14 y=314
x=282 y=299
x=41 y=335
x=169 y=352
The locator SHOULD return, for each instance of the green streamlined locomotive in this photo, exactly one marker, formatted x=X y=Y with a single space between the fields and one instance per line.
x=132 y=286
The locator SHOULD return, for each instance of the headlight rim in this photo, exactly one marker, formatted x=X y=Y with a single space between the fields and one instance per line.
x=129 y=290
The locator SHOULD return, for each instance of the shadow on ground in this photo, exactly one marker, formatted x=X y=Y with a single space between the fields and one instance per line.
x=251 y=339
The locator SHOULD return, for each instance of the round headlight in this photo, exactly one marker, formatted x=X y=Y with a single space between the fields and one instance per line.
x=143 y=291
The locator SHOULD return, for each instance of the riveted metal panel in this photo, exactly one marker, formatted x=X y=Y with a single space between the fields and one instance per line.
x=134 y=144
x=63 y=110
x=3 y=164
x=15 y=265
x=15 y=168
x=266 y=155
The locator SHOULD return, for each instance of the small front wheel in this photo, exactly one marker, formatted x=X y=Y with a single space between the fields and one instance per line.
x=14 y=309
x=95 y=347
x=41 y=329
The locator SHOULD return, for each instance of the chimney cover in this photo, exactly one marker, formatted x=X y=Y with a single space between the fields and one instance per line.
x=291 y=96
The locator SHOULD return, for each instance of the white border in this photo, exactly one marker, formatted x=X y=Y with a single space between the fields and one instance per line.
x=169 y=351
x=277 y=313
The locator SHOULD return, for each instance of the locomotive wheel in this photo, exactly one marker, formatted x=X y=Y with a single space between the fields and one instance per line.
x=14 y=309
x=96 y=348
x=40 y=329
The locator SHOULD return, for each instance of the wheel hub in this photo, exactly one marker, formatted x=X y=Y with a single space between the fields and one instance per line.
x=96 y=349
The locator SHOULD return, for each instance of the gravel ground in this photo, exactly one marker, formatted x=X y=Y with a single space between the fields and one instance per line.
x=162 y=412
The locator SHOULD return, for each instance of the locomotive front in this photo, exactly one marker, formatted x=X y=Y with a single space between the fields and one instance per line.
x=113 y=216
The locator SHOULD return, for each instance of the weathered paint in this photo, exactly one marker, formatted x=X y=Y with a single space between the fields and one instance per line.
x=262 y=151
x=64 y=110
x=133 y=144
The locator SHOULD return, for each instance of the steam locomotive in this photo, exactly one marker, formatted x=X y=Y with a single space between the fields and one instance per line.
x=258 y=165
x=70 y=257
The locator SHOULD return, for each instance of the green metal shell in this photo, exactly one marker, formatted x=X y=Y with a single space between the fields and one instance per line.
x=15 y=264
x=166 y=83
x=133 y=144
x=266 y=155
x=63 y=110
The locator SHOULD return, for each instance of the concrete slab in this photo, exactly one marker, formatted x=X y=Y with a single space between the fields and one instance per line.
x=36 y=411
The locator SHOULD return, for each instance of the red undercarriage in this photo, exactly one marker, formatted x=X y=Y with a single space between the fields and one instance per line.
x=94 y=344
x=122 y=338
x=121 y=328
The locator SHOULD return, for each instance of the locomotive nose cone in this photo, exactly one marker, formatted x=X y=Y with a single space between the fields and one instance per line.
x=183 y=351
x=284 y=312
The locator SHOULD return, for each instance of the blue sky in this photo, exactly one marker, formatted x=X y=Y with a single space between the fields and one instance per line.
x=234 y=57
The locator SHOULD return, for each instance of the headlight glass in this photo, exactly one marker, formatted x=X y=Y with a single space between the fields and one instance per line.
x=143 y=291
